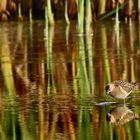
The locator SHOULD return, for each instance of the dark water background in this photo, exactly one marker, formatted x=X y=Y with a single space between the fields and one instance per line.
x=52 y=81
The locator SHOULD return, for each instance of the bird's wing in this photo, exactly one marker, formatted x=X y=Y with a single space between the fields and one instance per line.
x=128 y=87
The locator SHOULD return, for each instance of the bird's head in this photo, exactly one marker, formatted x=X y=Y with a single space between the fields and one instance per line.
x=109 y=88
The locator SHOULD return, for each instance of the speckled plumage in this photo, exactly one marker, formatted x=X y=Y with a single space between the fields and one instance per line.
x=120 y=89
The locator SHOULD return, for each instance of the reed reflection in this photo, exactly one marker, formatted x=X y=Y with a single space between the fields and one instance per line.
x=6 y=64
x=56 y=69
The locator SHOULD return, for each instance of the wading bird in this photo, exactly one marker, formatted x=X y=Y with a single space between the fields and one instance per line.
x=120 y=89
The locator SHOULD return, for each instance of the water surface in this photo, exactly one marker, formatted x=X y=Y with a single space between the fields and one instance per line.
x=52 y=81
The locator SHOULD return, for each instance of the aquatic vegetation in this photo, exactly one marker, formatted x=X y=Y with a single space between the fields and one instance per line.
x=67 y=9
x=58 y=75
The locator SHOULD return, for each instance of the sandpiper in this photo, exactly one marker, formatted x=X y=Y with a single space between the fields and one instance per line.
x=120 y=89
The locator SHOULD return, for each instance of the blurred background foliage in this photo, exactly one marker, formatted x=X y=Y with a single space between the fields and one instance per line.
x=20 y=9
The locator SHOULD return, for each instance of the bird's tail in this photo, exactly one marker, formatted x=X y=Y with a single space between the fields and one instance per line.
x=135 y=85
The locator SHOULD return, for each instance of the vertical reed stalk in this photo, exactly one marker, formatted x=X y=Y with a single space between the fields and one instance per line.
x=74 y=72
x=136 y=127
x=117 y=15
x=85 y=127
x=82 y=71
x=53 y=124
x=2 y=133
x=89 y=47
x=25 y=134
x=46 y=18
x=13 y=125
x=49 y=13
x=75 y=84
x=117 y=28
x=19 y=11
x=66 y=12
x=131 y=30
x=101 y=7
x=105 y=54
x=88 y=15
x=7 y=72
x=69 y=124
x=139 y=9
x=117 y=31
x=30 y=15
x=132 y=76
x=80 y=5
x=30 y=11
x=41 y=114
x=49 y=32
x=67 y=34
x=129 y=132
x=139 y=32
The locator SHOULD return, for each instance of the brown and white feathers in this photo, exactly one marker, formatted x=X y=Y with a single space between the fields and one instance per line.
x=120 y=89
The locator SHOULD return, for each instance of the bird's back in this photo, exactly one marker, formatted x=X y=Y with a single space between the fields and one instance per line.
x=128 y=87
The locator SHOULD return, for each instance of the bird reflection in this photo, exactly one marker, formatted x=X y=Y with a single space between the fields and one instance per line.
x=121 y=115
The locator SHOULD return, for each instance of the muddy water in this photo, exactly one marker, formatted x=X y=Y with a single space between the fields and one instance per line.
x=52 y=81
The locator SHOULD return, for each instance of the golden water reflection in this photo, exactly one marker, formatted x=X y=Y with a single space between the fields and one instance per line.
x=55 y=79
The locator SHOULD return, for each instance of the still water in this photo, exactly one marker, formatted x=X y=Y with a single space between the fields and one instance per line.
x=52 y=81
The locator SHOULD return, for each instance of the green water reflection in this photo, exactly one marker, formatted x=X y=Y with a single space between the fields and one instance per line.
x=52 y=81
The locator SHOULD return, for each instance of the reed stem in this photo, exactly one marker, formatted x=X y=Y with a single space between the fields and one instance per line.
x=80 y=5
x=139 y=9
x=49 y=13
x=117 y=14
x=88 y=16
x=66 y=12
x=30 y=15
x=101 y=7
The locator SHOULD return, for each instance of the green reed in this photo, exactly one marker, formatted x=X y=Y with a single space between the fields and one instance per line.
x=6 y=66
x=80 y=7
x=30 y=15
x=24 y=130
x=129 y=132
x=139 y=9
x=7 y=70
x=66 y=12
x=49 y=12
x=90 y=53
x=49 y=34
x=81 y=68
x=19 y=11
x=85 y=131
x=101 y=7
x=88 y=14
x=105 y=54
x=112 y=12
x=84 y=14
x=2 y=133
